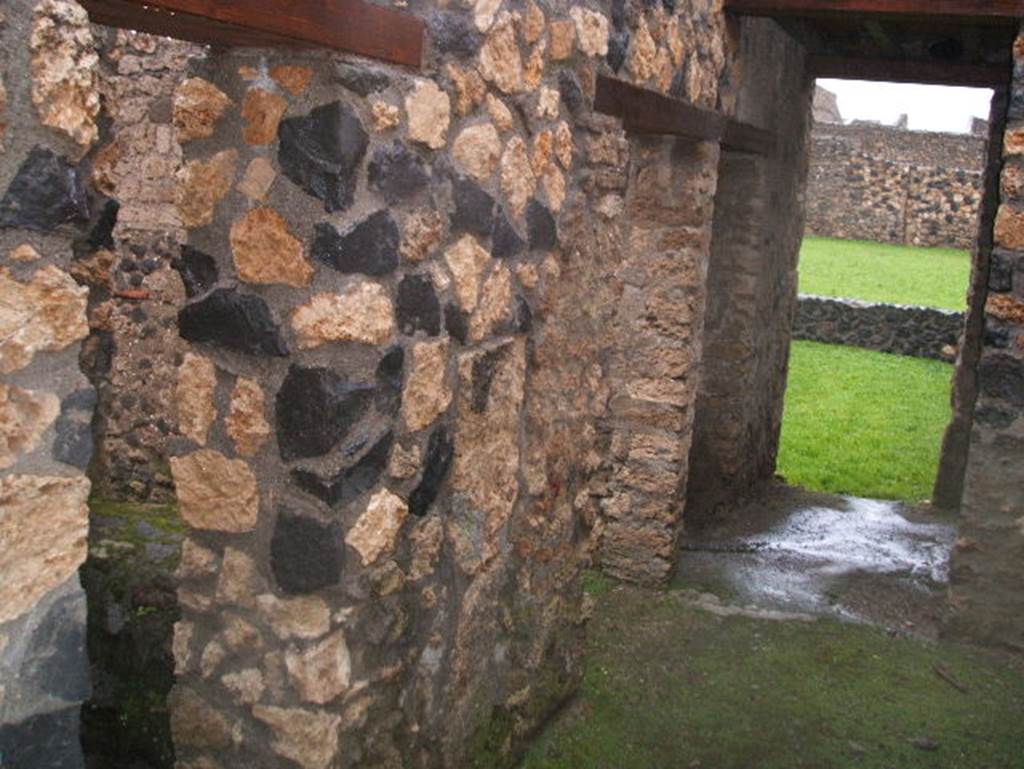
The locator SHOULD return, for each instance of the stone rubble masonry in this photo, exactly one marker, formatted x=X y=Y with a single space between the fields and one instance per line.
x=49 y=113
x=215 y=492
x=986 y=581
x=922 y=332
x=150 y=107
x=455 y=354
x=45 y=313
x=438 y=469
x=197 y=380
x=64 y=70
x=751 y=288
x=42 y=530
x=891 y=185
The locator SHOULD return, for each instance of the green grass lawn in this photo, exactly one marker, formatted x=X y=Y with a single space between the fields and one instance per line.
x=863 y=423
x=668 y=686
x=879 y=272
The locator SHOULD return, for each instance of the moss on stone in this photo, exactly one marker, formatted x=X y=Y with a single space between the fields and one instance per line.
x=133 y=552
x=490 y=745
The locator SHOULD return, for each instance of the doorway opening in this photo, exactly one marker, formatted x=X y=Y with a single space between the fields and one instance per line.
x=892 y=222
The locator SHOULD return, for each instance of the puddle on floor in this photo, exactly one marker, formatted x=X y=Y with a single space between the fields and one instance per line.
x=799 y=551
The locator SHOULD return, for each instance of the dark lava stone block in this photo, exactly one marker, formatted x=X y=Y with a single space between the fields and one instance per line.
x=618 y=44
x=440 y=451
x=540 y=227
x=456 y=322
x=237 y=321
x=474 y=208
x=1002 y=376
x=46 y=192
x=388 y=397
x=349 y=482
x=370 y=246
x=321 y=153
x=996 y=336
x=453 y=34
x=316 y=408
x=47 y=741
x=484 y=367
x=305 y=554
x=523 y=320
x=505 y=241
x=361 y=79
x=73 y=444
x=417 y=306
x=572 y=94
x=678 y=87
x=198 y=271
x=618 y=9
x=102 y=233
x=396 y=172
x=994 y=416
x=1001 y=271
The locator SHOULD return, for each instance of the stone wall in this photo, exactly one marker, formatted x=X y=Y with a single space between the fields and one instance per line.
x=443 y=342
x=890 y=185
x=987 y=581
x=134 y=347
x=927 y=148
x=751 y=284
x=48 y=109
x=391 y=470
x=417 y=309
x=922 y=332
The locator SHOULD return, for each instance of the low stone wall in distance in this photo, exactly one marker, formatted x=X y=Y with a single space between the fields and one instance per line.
x=922 y=332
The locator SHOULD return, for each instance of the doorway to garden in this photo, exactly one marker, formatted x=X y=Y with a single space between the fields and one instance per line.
x=892 y=221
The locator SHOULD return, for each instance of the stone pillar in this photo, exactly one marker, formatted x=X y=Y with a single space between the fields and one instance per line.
x=655 y=362
x=948 y=490
x=987 y=579
x=758 y=226
x=48 y=106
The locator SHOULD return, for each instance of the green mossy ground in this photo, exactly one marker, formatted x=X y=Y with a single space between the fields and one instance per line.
x=671 y=686
x=880 y=272
x=863 y=423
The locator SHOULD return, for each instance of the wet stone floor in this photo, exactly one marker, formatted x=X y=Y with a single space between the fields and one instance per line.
x=802 y=552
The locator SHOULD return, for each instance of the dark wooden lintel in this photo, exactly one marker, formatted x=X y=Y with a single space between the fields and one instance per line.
x=648 y=112
x=910 y=71
x=354 y=26
x=1000 y=12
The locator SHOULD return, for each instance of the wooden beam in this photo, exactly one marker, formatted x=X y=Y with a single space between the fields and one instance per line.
x=354 y=26
x=129 y=14
x=910 y=71
x=1000 y=12
x=882 y=39
x=648 y=112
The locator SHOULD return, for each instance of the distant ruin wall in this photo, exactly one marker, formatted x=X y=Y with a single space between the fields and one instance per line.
x=921 y=332
x=893 y=186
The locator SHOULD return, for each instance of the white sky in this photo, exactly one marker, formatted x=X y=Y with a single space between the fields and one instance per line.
x=930 y=107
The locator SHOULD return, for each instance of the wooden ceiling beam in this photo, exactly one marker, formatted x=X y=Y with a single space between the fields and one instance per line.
x=882 y=39
x=354 y=26
x=910 y=71
x=648 y=112
x=999 y=12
